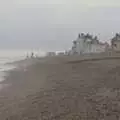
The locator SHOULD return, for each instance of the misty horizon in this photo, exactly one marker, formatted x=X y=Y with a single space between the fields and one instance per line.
x=54 y=25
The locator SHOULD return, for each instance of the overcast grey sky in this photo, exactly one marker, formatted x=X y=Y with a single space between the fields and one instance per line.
x=53 y=24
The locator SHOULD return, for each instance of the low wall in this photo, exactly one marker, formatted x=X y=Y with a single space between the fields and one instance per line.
x=79 y=58
x=89 y=57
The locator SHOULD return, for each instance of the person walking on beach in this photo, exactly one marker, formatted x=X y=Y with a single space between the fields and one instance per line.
x=32 y=55
x=27 y=56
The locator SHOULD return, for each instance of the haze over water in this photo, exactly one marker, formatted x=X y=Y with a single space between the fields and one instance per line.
x=11 y=55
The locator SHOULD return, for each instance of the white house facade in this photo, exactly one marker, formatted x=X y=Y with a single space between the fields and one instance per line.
x=115 y=43
x=86 y=44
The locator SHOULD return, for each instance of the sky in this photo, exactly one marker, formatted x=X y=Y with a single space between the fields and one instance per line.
x=54 y=24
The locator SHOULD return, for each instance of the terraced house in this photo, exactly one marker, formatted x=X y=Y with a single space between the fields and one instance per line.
x=86 y=43
x=115 y=43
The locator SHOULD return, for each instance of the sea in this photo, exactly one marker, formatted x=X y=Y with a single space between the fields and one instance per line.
x=12 y=55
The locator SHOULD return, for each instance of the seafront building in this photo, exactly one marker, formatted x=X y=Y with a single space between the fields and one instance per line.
x=50 y=54
x=115 y=43
x=86 y=44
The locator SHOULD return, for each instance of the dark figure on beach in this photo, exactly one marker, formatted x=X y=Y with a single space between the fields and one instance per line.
x=32 y=55
x=27 y=56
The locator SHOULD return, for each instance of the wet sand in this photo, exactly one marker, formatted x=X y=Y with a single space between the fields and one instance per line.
x=60 y=90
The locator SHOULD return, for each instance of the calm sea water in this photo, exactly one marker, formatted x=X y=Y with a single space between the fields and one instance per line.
x=7 y=56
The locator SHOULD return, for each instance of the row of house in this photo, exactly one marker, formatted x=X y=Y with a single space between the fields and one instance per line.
x=86 y=44
x=60 y=53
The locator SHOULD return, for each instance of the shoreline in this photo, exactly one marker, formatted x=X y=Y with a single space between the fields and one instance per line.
x=22 y=66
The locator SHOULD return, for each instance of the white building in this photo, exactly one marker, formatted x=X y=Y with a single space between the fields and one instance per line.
x=86 y=43
x=115 y=43
x=51 y=53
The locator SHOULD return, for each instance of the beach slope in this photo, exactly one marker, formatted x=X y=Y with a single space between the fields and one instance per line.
x=61 y=90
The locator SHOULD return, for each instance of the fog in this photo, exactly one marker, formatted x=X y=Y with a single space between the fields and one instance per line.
x=53 y=24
